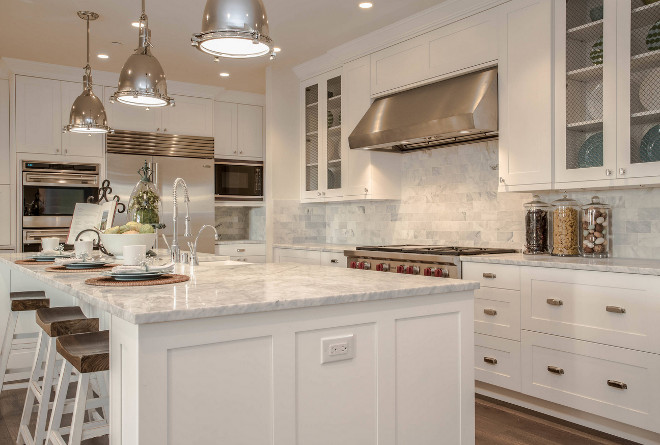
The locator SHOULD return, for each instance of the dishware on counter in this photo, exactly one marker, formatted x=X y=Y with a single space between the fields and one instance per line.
x=649 y=96
x=50 y=244
x=140 y=273
x=591 y=152
x=537 y=218
x=596 y=52
x=595 y=230
x=649 y=149
x=83 y=248
x=134 y=255
x=596 y=13
x=49 y=258
x=114 y=243
x=653 y=37
x=565 y=226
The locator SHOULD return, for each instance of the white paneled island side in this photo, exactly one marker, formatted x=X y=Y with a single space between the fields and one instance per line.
x=278 y=354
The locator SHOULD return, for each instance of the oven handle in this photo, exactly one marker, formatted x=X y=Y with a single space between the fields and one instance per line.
x=34 y=236
x=61 y=180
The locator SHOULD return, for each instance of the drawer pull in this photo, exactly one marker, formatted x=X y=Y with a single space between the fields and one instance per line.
x=490 y=312
x=490 y=360
x=489 y=275
x=240 y=250
x=334 y=261
x=556 y=370
x=615 y=384
x=616 y=309
x=554 y=302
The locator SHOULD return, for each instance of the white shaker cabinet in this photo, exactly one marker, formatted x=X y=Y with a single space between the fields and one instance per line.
x=526 y=100
x=225 y=129
x=4 y=132
x=192 y=116
x=38 y=115
x=238 y=130
x=129 y=117
x=5 y=215
x=283 y=255
x=76 y=144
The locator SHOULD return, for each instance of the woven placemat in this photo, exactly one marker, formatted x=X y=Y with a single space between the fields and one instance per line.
x=32 y=262
x=109 y=281
x=63 y=269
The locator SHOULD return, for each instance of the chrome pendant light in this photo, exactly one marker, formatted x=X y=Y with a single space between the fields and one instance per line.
x=87 y=112
x=142 y=80
x=234 y=28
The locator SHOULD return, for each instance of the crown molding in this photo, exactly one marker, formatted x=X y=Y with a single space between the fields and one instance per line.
x=425 y=21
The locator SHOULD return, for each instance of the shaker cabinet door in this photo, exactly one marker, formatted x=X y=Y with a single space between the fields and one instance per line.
x=38 y=115
x=250 y=123
x=77 y=144
x=191 y=116
x=224 y=121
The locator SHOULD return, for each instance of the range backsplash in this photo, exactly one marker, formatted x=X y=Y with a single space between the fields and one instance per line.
x=240 y=223
x=449 y=196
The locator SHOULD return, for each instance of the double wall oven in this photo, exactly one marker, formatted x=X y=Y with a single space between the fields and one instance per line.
x=50 y=192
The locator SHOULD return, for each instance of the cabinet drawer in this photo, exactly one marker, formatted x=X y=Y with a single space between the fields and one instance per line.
x=614 y=309
x=249 y=258
x=501 y=276
x=297 y=256
x=497 y=312
x=240 y=249
x=334 y=259
x=497 y=361
x=615 y=383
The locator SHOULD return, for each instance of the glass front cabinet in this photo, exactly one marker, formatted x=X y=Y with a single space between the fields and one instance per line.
x=607 y=95
x=322 y=135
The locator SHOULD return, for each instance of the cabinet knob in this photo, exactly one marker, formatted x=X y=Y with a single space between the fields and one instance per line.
x=622 y=171
x=66 y=150
x=366 y=190
x=241 y=151
x=318 y=193
x=57 y=150
x=234 y=151
x=608 y=172
x=323 y=193
x=158 y=129
x=501 y=180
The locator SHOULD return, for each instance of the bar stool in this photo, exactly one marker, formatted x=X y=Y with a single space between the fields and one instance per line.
x=54 y=322
x=88 y=354
x=20 y=302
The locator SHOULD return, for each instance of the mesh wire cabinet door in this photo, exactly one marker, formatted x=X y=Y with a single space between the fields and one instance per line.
x=312 y=135
x=333 y=135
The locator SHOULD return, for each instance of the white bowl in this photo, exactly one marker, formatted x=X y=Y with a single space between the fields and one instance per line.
x=114 y=243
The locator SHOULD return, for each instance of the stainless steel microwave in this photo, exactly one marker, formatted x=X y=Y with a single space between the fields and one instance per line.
x=238 y=180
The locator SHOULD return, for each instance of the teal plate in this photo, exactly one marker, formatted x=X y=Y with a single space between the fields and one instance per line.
x=591 y=152
x=85 y=265
x=649 y=150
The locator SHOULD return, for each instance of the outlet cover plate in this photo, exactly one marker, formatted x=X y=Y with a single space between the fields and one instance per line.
x=335 y=349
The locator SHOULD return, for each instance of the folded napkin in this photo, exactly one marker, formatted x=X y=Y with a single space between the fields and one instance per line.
x=166 y=268
x=65 y=261
x=51 y=253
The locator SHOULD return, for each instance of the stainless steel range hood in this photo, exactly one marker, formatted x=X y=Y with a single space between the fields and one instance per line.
x=454 y=111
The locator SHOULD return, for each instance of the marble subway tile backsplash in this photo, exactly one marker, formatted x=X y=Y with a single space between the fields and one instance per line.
x=240 y=223
x=449 y=196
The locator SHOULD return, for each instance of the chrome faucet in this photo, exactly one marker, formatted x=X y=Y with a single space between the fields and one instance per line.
x=193 y=246
x=175 y=252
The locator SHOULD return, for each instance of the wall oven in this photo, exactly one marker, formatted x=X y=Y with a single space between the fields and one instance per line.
x=239 y=180
x=50 y=192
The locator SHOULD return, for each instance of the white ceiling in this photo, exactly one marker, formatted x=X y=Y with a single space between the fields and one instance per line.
x=50 y=31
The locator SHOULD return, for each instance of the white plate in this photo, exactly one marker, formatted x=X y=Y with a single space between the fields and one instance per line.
x=595 y=103
x=649 y=93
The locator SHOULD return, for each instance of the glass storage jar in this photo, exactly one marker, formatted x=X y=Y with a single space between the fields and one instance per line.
x=595 y=232
x=144 y=203
x=565 y=226
x=537 y=217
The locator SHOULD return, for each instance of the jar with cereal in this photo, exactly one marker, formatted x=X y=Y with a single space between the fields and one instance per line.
x=595 y=232
x=537 y=217
x=565 y=226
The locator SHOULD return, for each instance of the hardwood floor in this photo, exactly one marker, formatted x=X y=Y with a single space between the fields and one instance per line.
x=496 y=424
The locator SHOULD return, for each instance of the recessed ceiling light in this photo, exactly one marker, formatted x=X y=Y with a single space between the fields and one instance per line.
x=277 y=50
x=103 y=56
x=224 y=74
x=366 y=5
x=137 y=25
x=464 y=132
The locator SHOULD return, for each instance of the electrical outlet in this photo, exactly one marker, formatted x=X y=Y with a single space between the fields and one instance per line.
x=334 y=349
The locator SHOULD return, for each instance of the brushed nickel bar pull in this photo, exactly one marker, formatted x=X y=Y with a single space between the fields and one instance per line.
x=556 y=370
x=490 y=360
x=616 y=384
x=489 y=275
x=554 y=302
x=240 y=250
x=334 y=261
x=616 y=309
x=490 y=312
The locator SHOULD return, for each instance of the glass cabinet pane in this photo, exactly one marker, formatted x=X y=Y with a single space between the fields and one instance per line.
x=584 y=83
x=645 y=82
x=333 y=139
x=312 y=137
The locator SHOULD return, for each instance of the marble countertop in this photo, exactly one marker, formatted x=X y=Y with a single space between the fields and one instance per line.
x=317 y=246
x=617 y=265
x=239 y=241
x=229 y=288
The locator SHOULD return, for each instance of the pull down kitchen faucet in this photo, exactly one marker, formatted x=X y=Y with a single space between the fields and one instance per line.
x=175 y=252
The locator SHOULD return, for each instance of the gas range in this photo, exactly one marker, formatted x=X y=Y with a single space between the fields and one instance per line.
x=432 y=261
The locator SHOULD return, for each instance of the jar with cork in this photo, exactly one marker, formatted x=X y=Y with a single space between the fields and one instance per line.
x=565 y=226
x=595 y=230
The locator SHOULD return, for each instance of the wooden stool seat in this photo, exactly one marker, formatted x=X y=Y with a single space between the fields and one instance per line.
x=56 y=321
x=88 y=352
x=28 y=301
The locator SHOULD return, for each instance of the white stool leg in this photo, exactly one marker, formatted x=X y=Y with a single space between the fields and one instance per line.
x=46 y=389
x=78 y=419
x=60 y=400
x=30 y=396
x=6 y=346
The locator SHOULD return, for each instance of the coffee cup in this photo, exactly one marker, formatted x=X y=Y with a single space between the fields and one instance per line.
x=50 y=243
x=134 y=255
x=83 y=248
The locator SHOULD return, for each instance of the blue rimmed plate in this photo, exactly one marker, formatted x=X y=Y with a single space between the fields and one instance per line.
x=649 y=149
x=591 y=152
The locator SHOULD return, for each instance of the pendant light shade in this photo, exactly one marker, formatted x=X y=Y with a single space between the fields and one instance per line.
x=87 y=112
x=142 y=79
x=234 y=28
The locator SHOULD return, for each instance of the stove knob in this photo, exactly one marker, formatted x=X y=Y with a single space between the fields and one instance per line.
x=400 y=269
x=429 y=271
x=379 y=267
x=353 y=265
x=412 y=270
x=383 y=267
x=441 y=273
x=366 y=265
x=360 y=265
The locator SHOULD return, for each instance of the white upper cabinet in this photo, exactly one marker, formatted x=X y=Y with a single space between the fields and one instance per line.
x=4 y=132
x=38 y=115
x=525 y=94
x=76 y=144
x=192 y=116
x=238 y=130
x=129 y=117
x=402 y=64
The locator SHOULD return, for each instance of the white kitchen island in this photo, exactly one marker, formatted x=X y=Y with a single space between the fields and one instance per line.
x=235 y=355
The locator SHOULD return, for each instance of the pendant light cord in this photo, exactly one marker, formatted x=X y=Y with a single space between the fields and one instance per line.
x=88 y=68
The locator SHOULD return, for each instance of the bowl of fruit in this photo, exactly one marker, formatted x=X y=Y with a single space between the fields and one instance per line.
x=130 y=234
